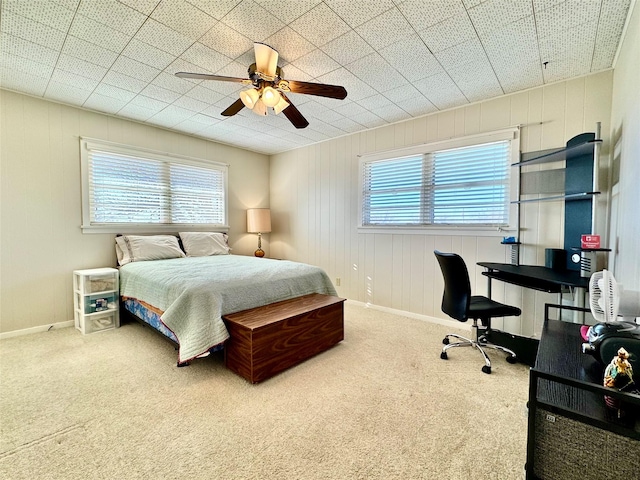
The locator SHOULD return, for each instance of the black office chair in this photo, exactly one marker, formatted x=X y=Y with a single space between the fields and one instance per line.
x=458 y=303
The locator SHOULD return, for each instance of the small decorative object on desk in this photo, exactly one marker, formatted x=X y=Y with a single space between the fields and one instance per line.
x=619 y=375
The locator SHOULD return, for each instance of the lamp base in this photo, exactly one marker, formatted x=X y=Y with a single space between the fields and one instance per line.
x=259 y=253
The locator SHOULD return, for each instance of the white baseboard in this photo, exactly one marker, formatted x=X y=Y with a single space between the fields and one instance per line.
x=41 y=328
x=417 y=316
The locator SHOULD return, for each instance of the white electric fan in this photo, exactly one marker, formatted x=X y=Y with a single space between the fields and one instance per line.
x=607 y=299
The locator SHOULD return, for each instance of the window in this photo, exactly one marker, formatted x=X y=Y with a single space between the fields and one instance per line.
x=458 y=183
x=129 y=187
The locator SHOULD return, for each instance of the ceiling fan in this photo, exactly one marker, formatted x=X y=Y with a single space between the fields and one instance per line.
x=268 y=88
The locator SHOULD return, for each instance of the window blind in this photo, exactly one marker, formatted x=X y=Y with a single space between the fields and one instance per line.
x=132 y=189
x=459 y=186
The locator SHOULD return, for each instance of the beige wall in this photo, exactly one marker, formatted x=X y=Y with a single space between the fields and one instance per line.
x=314 y=200
x=625 y=134
x=40 y=238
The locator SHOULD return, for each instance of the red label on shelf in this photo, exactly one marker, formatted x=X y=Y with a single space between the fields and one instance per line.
x=590 y=241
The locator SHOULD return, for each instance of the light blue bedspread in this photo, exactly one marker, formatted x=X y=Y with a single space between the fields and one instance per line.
x=194 y=292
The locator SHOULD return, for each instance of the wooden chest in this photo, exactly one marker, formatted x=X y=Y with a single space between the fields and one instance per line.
x=269 y=339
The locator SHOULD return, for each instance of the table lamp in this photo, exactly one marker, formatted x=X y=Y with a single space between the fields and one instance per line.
x=259 y=221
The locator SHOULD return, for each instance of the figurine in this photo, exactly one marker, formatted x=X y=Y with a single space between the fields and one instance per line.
x=619 y=375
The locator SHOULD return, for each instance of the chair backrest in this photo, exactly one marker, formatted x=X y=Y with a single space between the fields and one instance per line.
x=457 y=288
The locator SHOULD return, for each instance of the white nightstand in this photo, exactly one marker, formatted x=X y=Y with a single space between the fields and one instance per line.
x=96 y=299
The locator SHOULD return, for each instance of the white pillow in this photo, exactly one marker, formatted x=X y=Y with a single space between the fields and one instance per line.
x=135 y=248
x=203 y=244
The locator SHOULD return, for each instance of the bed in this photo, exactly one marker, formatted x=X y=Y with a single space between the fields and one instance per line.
x=185 y=298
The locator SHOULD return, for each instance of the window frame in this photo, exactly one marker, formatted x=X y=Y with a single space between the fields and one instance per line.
x=86 y=144
x=510 y=134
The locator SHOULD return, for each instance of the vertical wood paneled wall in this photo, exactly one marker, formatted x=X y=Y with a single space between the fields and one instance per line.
x=314 y=202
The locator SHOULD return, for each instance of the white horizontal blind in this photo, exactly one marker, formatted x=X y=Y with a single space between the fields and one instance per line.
x=131 y=189
x=462 y=186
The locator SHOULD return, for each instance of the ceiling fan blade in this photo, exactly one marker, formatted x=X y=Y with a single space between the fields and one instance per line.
x=204 y=76
x=266 y=59
x=294 y=115
x=319 y=89
x=234 y=108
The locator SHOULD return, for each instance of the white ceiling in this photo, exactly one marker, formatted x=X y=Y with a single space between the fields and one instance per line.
x=397 y=59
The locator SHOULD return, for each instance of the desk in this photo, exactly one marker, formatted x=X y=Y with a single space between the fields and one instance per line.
x=533 y=276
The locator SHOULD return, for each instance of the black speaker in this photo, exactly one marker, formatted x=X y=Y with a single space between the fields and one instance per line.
x=555 y=258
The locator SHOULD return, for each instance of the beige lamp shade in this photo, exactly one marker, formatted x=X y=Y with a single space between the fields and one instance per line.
x=258 y=220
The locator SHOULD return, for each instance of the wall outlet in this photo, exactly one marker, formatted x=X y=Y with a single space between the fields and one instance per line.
x=337 y=281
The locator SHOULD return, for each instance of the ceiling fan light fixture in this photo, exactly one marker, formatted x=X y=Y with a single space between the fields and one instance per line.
x=249 y=97
x=270 y=96
x=280 y=106
x=260 y=108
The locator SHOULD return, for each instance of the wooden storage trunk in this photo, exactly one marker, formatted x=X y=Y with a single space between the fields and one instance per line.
x=269 y=339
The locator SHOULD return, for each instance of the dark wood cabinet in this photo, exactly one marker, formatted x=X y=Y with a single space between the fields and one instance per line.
x=571 y=431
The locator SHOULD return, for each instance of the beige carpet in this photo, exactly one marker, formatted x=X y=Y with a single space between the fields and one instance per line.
x=381 y=404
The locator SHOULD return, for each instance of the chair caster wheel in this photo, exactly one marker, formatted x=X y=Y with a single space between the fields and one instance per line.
x=486 y=369
x=512 y=359
x=443 y=355
x=445 y=341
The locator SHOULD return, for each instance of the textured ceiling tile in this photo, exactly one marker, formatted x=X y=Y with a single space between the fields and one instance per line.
x=567 y=15
x=494 y=13
x=20 y=65
x=103 y=103
x=288 y=10
x=171 y=115
x=129 y=66
x=160 y=36
x=440 y=90
x=159 y=93
x=173 y=83
x=114 y=92
x=121 y=80
x=145 y=53
x=417 y=107
x=136 y=112
x=34 y=32
x=184 y=18
x=143 y=6
x=385 y=29
x=22 y=48
x=113 y=14
x=15 y=80
x=49 y=13
x=411 y=58
x=539 y=5
x=289 y=44
x=226 y=40
x=403 y=92
x=81 y=67
x=466 y=52
x=98 y=34
x=148 y=103
x=347 y=48
x=76 y=47
x=215 y=8
x=377 y=73
x=449 y=32
x=513 y=38
x=316 y=63
x=252 y=21
x=320 y=25
x=66 y=93
x=204 y=95
x=610 y=26
x=204 y=56
x=356 y=88
x=393 y=113
x=291 y=72
x=357 y=12
x=423 y=14
x=190 y=103
x=473 y=3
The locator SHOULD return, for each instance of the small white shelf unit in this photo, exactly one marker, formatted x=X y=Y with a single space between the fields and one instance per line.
x=96 y=299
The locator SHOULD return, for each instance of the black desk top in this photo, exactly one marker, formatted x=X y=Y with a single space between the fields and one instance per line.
x=535 y=276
